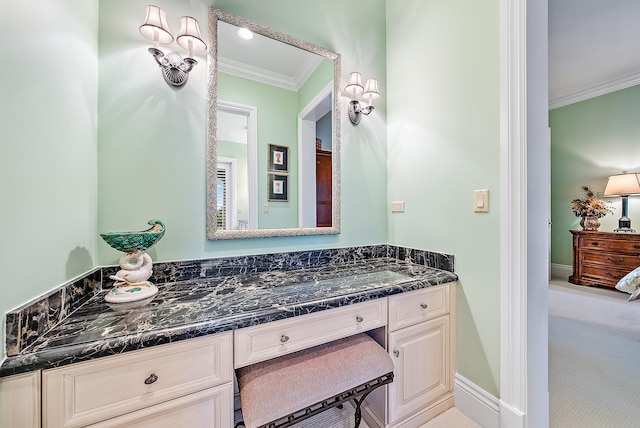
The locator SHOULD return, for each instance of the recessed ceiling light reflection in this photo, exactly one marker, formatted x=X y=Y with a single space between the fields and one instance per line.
x=245 y=34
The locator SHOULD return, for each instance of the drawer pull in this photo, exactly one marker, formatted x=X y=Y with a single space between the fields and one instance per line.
x=396 y=353
x=284 y=338
x=359 y=318
x=636 y=246
x=151 y=379
x=615 y=261
x=424 y=305
x=595 y=244
x=611 y=275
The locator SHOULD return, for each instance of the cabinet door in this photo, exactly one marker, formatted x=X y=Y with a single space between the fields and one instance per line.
x=211 y=408
x=20 y=400
x=421 y=354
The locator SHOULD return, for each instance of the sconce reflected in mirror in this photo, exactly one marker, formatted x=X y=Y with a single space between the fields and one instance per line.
x=368 y=92
x=175 y=68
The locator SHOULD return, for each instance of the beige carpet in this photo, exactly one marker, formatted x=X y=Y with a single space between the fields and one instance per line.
x=594 y=357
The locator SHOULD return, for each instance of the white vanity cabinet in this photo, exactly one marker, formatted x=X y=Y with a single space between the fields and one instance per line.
x=277 y=338
x=421 y=344
x=188 y=383
x=20 y=400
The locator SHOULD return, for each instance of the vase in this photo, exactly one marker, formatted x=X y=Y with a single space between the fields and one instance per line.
x=590 y=223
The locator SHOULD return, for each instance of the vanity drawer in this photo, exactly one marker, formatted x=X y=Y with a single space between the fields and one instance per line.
x=273 y=339
x=92 y=391
x=413 y=307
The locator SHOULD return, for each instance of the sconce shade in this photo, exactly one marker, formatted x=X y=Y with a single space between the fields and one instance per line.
x=155 y=25
x=354 y=86
x=622 y=185
x=190 y=34
x=371 y=91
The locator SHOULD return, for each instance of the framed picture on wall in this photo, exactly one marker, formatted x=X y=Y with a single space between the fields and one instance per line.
x=278 y=188
x=278 y=158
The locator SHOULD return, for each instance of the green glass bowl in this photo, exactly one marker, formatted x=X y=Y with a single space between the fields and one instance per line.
x=131 y=242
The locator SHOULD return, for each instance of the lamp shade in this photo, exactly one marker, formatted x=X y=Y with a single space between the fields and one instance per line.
x=155 y=26
x=354 y=86
x=371 y=91
x=622 y=185
x=190 y=34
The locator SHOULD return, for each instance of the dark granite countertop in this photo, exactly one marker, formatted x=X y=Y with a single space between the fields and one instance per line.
x=202 y=306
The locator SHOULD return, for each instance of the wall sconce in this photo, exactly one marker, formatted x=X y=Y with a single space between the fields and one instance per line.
x=368 y=92
x=623 y=185
x=175 y=68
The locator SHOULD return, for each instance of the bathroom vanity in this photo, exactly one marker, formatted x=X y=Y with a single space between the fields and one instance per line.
x=172 y=359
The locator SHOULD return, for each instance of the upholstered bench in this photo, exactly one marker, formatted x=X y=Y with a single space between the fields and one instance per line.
x=286 y=390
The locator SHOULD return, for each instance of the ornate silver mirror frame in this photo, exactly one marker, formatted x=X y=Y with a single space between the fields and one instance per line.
x=212 y=126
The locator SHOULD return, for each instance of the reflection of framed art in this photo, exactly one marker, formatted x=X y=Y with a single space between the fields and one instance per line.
x=278 y=187
x=278 y=158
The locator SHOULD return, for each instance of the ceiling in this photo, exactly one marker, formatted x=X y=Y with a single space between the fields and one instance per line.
x=594 y=48
x=263 y=59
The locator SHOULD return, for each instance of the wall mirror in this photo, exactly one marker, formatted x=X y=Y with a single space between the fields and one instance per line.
x=273 y=133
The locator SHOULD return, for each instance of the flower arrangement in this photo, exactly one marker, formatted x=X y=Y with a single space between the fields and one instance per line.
x=589 y=206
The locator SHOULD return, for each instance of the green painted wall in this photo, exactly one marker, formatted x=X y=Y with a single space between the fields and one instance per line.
x=150 y=154
x=443 y=142
x=590 y=141
x=277 y=124
x=152 y=137
x=48 y=120
x=319 y=79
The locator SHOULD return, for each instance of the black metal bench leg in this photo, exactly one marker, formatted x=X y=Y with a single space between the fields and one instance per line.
x=358 y=414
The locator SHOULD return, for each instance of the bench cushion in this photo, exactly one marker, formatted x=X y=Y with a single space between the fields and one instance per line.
x=278 y=387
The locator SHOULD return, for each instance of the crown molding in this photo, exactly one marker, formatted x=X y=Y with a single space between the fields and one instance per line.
x=291 y=83
x=595 y=91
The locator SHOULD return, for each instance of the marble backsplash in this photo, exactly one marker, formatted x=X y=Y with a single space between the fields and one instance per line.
x=26 y=324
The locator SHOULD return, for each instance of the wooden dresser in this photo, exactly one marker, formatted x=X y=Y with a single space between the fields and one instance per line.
x=603 y=258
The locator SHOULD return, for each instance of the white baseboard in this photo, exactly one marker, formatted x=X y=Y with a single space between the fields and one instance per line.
x=561 y=271
x=477 y=404
x=510 y=417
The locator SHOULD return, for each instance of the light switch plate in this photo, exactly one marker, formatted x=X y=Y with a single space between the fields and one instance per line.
x=481 y=201
x=397 y=206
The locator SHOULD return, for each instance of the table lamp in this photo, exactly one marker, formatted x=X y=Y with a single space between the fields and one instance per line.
x=623 y=185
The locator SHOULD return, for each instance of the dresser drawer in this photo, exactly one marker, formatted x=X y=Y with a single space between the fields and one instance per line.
x=92 y=391
x=602 y=275
x=617 y=245
x=273 y=339
x=412 y=307
x=623 y=261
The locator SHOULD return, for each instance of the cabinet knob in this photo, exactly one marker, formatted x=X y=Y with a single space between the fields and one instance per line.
x=151 y=379
x=359 y=318
x=284 y=338
x=424 y=305
x=396 y=353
